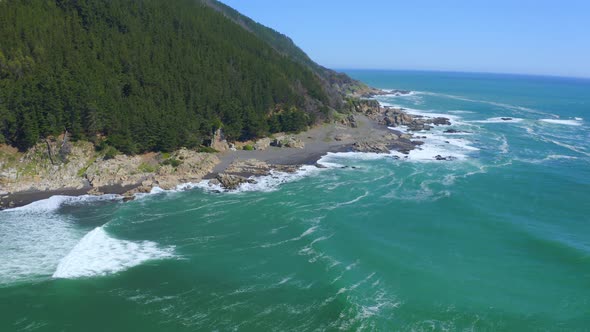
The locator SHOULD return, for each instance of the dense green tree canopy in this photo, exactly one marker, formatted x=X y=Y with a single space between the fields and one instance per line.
x=147 y=74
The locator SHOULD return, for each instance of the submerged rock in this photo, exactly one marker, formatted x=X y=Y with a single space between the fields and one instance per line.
x=232 y=182
x=448 y=158
x=439 y=121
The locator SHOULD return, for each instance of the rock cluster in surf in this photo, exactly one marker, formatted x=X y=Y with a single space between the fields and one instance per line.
x=242 y=171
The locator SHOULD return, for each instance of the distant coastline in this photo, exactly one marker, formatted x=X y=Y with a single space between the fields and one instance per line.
x=474 y=73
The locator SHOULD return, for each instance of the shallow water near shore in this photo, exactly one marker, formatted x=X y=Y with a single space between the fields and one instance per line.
x=496 y=239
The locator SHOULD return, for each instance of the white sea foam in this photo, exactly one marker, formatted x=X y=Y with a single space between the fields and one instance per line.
x=331 y=157
x=55 y=202
x=559 y=156
x=271 y=182
x=354 y=200
x=34 y=238
x=503 y=119
x=266 y=183
x=456 y=142
x=397 y=93
x=33 y=244
x=432 y=114
x=386 y=104
x=575 y=122
x=438 y=145
x=435 y=144
x=98 y=254
x=307 y=232
x=504 y=147
x=461 y=112
x=551 y=139
x=568 y=146
x=502 y=105
x=551 y=157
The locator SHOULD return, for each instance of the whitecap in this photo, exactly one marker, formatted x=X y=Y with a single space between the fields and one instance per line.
x=271 y=182
x=397 y=93
x=385 y=104
x=575 y=122
x=353 y=200
x=568 y=146
x=517 y=108
x=430 y=114
x=461 y=112
x=330 y=157
x=504 y=147
x=434 y=146
x=551 y=157
x=504 y=119
x=99 y=254
x=53 y=203
x=559 y=156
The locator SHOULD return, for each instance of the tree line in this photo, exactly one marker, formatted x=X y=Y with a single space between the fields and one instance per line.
x=147 y=75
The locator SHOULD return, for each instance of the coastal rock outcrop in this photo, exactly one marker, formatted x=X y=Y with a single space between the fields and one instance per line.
x=288 y=142
x=368 y=146
x=83 y=170
x=394 y=117
x=218 y=141
x=441 y=158
x=377 y=92
x=262 y=144
x=46 y=166
x=151 y=170
x=256 y=167
x=452 y=131
x=349 y=121
x=232 y=182
x=241 y=171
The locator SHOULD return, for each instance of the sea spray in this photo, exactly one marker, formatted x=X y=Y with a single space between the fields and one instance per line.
x=99 y=254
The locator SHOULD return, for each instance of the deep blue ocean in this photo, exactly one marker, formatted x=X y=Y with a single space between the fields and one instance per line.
x=497 y=239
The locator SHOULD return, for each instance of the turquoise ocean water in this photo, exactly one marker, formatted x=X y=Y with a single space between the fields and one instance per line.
x=496 y=240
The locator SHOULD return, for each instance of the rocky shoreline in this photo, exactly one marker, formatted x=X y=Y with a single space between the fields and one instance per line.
x=59 y=167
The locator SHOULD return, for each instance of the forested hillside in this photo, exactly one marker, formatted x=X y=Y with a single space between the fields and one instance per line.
x=334 y=84
x=145 y=74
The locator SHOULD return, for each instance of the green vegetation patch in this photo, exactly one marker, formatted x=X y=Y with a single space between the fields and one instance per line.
x=172 y=162
x=82 y=171
x=146 y=168
x=206 y=149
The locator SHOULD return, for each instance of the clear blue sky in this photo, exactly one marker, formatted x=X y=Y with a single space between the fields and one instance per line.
x=505 y=36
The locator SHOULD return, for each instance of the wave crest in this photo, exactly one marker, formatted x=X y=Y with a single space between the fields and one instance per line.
x=98 y=254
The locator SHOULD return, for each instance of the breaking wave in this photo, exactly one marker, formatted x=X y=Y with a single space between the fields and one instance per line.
x=98 y=254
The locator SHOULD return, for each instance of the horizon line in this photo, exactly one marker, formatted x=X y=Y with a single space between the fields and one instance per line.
x=465 y=72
